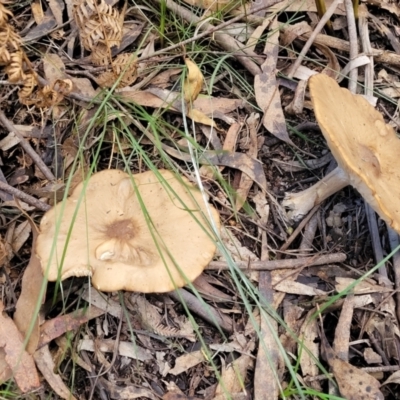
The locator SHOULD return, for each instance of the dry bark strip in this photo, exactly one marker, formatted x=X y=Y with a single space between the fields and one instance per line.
x=271 y=265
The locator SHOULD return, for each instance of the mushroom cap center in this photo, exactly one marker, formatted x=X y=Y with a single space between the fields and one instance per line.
x=125 y=229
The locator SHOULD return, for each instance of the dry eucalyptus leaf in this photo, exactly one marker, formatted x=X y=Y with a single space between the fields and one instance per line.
x=394 y=378
x=57 y=326
x=5 y=371
x=209 y=291
x=233 y=375
x=151 y=319
x=32 y=282
x=37 y=11
x=246 y=182
x=53 y=67
x=199 y=117
x=19 y=361
x=354 y=384
x=235 y=248
x=289 y=286
x=266 y=88
x=57 y=8
x=193 y=82
x=125 y=349
x=187 y=361
x=98 y=299
x=346 y=375
x=307 y=338
x=363 y=287
x=45 y=364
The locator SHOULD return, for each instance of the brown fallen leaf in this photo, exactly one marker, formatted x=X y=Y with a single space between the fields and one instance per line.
x=18 y=360
x=37 y=11
x=207 y=105
x=209 y=291
x=45 y=364
x=55 y=327
x=253 y=168
x=233 y=375
x=187 y=361
x=151 y=319
x=200 y=118
x=5 y=371
x=32 y=282
x=266 y=88
x=354 y=383
x=125 y=349
x=246 y=182
x=126 y=392
x=307 y=338
x=193 y=83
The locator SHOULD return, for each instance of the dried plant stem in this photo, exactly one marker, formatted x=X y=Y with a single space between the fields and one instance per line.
x=24 y=197
x=27 y=147
x=281 y=264
x=311 y=39
x=351 y=24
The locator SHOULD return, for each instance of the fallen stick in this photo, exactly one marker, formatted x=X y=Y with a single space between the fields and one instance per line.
x=24 y=197
x=271 y=265
x=27 y=147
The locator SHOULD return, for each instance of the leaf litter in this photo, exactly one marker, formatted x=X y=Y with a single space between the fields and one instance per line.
x=211 y=339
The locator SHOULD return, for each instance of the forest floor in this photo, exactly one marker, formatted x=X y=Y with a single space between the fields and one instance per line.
x=291 y=304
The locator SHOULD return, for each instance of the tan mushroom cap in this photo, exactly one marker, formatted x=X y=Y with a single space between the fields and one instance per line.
x=149 y=235
x=365 y=147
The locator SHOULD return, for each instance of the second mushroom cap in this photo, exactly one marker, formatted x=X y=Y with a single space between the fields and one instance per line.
x=151 y=232
x=365 y=147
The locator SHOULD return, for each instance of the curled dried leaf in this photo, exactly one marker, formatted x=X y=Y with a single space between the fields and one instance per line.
x=4 y=13
x=100 y=27
x=125 y=65
x=49 y=95
x=30 y=83
x=14 y=69
x=9 y=42
x=194 y=81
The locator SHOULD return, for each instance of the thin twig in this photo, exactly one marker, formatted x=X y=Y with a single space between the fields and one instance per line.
x=299 y=228
x=27 y=147
x=281 y=264
x=24 y=197
x=310 y=41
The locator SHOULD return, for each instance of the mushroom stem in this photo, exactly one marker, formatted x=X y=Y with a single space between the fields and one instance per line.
x=301 y=203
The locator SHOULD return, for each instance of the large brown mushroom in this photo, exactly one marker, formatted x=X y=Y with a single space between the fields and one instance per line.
x=365 y=147
x=151 y=232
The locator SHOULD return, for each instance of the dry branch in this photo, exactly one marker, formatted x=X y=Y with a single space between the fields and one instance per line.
x=281 y=264
x=28 y=148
